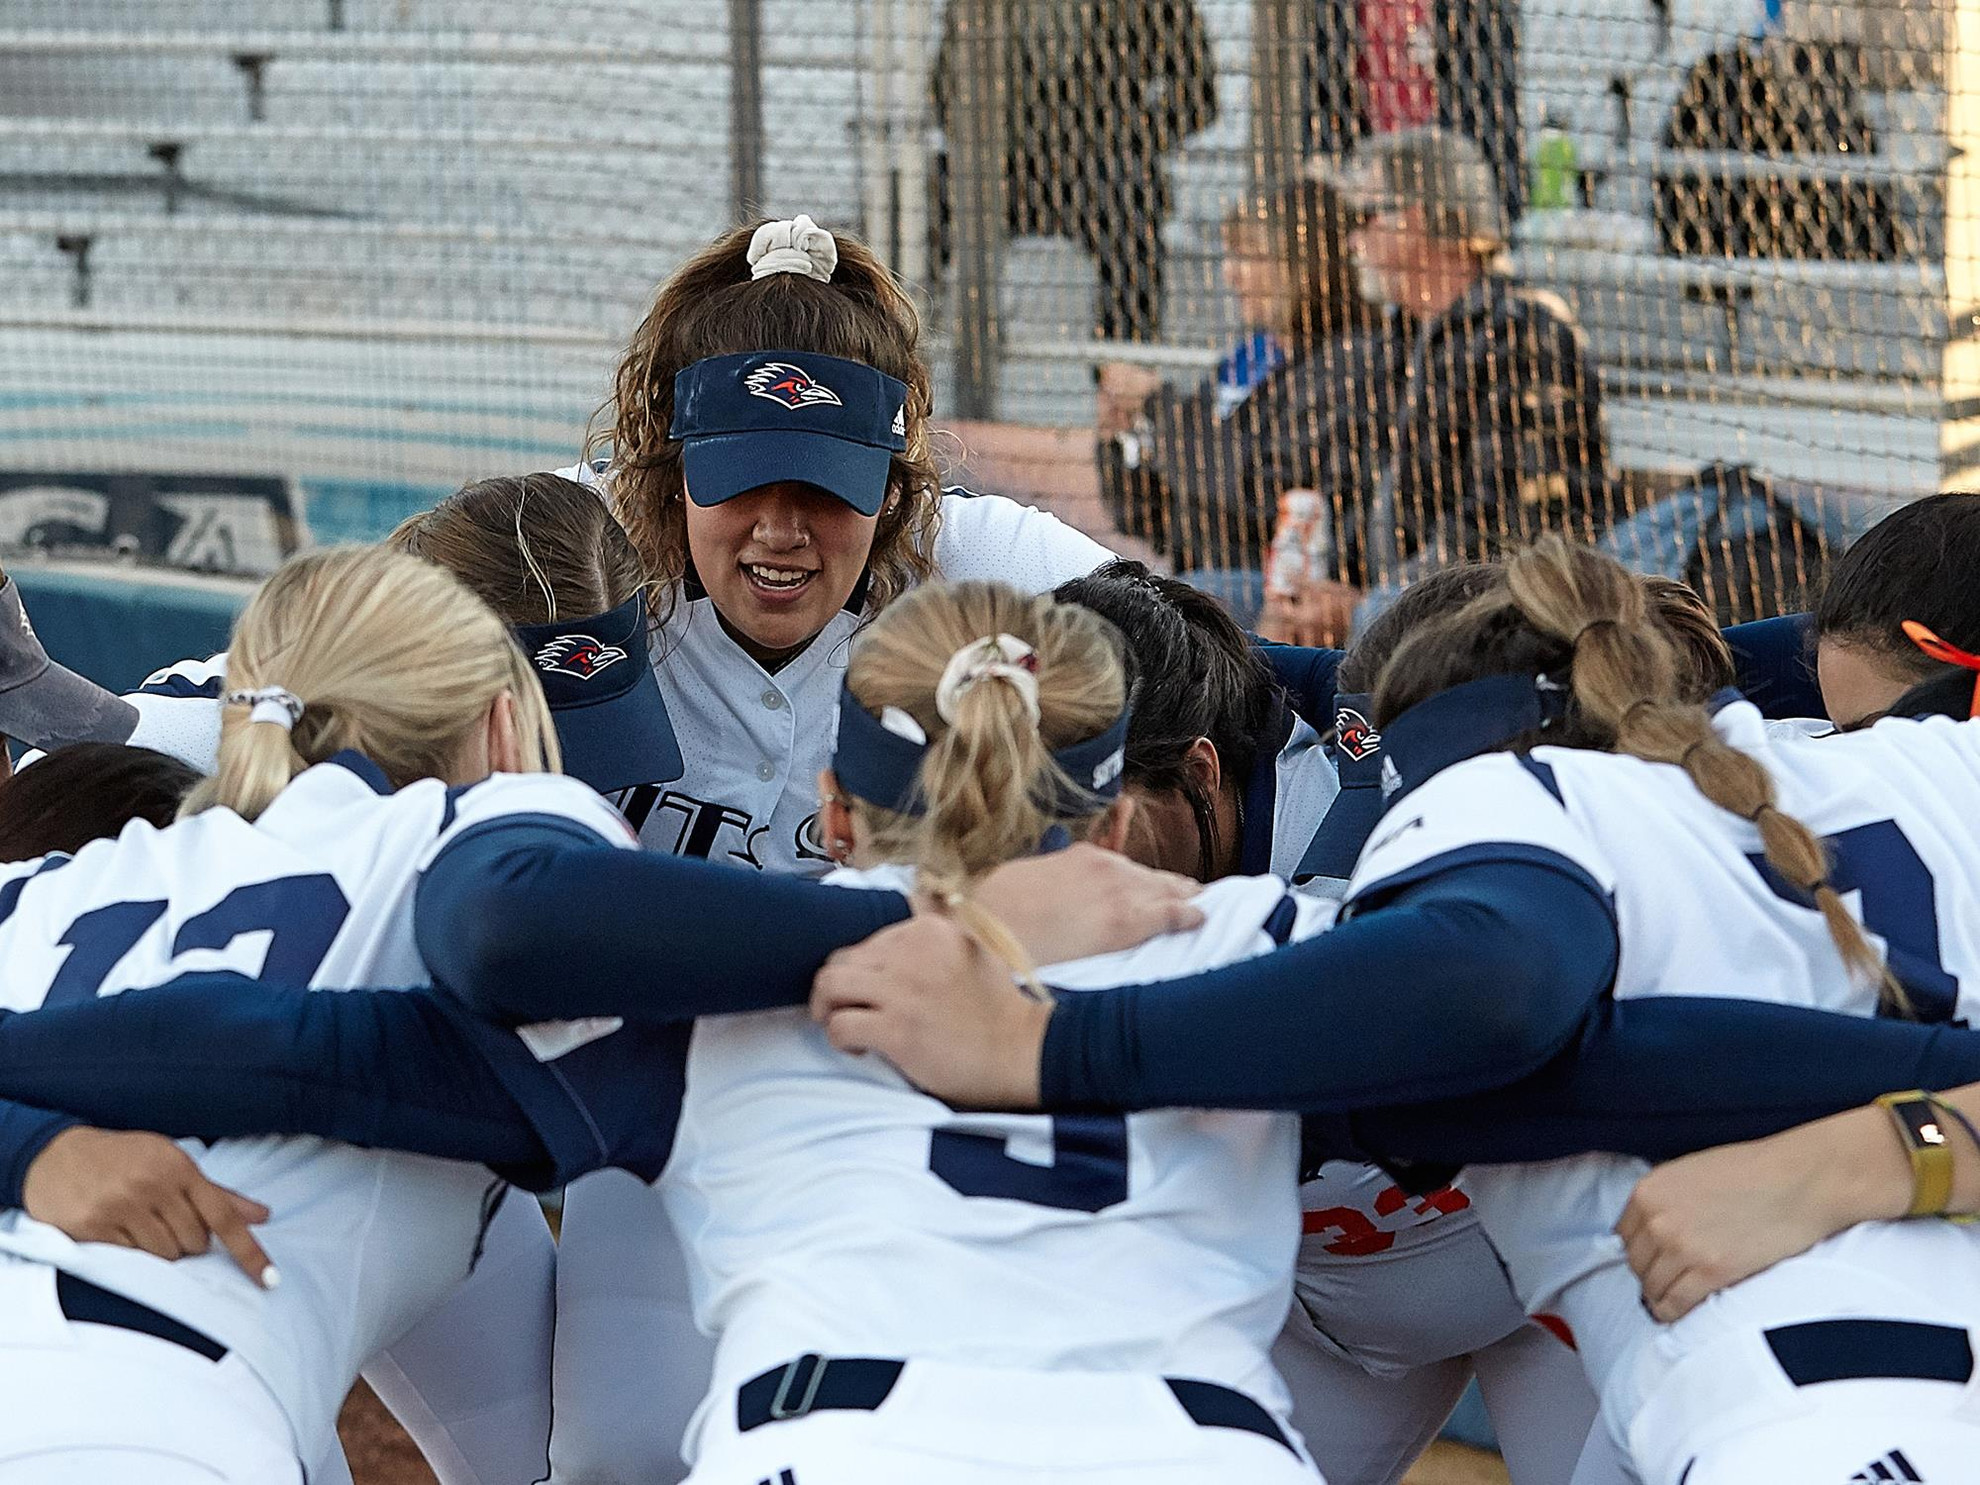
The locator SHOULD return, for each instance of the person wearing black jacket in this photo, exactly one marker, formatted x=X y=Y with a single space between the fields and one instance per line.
x=1305 y=403
x=1499 y=435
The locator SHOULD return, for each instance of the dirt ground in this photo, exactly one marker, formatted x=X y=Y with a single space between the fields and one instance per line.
x=381 y=1454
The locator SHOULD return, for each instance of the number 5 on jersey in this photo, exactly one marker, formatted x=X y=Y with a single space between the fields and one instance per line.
x=1088 y=1173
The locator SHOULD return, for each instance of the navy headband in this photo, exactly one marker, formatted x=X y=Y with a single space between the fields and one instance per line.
x=1464 y=721
x=884 y=769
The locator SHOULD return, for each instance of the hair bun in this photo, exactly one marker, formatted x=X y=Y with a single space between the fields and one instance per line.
x=798 y=245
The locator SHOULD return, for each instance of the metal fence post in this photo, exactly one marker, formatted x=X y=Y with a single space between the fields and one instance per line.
x=978 y=129
x=745 y=107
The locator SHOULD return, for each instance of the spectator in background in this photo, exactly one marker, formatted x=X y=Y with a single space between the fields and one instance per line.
x=1775 y=97
x=1304 y=401
x=1096 y=93
x=1499 y=434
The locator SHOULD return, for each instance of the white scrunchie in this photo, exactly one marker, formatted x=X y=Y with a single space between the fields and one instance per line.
x=1004 y=657
x=269 y=704
x=797 y=246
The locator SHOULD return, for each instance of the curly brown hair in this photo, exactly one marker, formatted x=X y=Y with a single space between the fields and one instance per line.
x=711 y=307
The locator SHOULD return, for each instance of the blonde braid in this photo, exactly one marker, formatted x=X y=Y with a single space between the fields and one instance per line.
x=1627 y=683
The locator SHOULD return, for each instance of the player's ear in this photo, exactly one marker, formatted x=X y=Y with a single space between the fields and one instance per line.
x=1110 y=831
x=1207 y=764
x=835 y=821
x=504 y=731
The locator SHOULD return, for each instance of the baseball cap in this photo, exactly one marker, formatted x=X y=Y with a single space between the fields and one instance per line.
x=604 y=698
x=765 y=416
x=1440 y=170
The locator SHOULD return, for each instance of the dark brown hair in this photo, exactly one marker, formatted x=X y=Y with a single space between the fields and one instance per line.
x=1919 y=562
x=1568 y=612
x=1441 y=592
x=711 y=307
x=1196 y=675
x=1304 y=224
x=84 y=792
x=1705 y=659
x=536 y=548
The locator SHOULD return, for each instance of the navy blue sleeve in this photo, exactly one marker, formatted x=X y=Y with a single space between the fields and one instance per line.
x=1464 y=982
x=1661 y=1077
x=528 y=924
x=1775 y=663
x=24 y=1134
x=217 y=1056
x=1308 y=679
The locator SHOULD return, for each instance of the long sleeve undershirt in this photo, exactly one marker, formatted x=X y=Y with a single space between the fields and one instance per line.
x=211 y=1057
x=216 y=1056
x=1467 y=1020
x=1449 y=989
x=533 y=927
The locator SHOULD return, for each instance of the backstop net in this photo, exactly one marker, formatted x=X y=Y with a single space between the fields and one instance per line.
x=283 y=270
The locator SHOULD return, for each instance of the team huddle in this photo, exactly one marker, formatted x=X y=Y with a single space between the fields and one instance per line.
x=991 y=1019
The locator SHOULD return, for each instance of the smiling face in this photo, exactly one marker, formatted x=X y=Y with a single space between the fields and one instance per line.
x=778 y=562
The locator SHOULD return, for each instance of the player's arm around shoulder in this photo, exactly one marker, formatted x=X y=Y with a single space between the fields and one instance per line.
x=486 y=888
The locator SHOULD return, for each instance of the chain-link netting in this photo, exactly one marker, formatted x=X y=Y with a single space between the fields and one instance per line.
x=1688 y=276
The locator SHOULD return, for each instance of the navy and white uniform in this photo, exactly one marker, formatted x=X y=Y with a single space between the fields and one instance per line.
x=1401 y=1300
x=1038 y=1276
x=630 y=1363
x=479 y=1414
x=319 y=891
x=754 y=740
x=1829 y=1365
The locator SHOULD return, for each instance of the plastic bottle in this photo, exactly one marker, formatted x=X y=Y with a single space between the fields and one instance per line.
x=1302 y=543
x=1556 y=164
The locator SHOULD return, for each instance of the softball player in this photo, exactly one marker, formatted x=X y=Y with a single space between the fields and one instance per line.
x=215 y=1379
x=533 y=548
x=858 y=1339
x=1569 y=876
x=1401 y=1298
x=771 y=459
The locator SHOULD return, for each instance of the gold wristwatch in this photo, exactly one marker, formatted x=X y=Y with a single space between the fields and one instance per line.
x=1923 y=1130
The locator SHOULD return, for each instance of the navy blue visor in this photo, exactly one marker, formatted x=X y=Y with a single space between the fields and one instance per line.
x=611 y=720
x=770 y=416
x=883 y=768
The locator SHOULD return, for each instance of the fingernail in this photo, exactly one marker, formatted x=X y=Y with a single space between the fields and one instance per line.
x=271 y=1277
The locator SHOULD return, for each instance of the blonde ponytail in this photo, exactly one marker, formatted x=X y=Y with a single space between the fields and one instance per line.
x=988 y=790
x=385 y=655
x=1628 y=683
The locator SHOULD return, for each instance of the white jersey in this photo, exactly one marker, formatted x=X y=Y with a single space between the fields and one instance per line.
x=318 y=891
x=1696 y=916
x=826 y=1205
x=754 y=741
